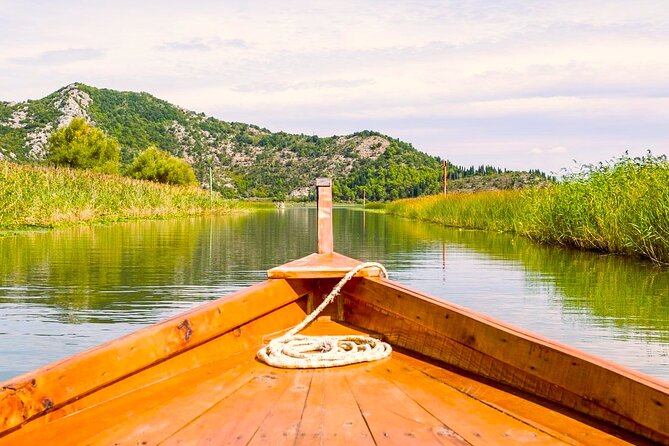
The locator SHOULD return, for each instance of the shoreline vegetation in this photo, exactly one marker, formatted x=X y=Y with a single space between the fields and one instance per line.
x=34 y=197
x=619 y=207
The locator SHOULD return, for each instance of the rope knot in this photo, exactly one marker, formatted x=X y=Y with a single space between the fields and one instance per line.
x=302 y=352
x=326 y=346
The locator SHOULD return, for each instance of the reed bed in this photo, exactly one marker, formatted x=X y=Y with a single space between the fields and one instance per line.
x=32 y=196
x=492 y=210
x=619 y=207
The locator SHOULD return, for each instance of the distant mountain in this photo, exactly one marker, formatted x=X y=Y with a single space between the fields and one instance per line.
x=245 y=160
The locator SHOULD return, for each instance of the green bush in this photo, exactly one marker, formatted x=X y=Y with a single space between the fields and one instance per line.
x=83 y=146
x=157 y=165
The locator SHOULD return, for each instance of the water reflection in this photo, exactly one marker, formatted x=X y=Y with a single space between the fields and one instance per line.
x=128 y=265
x=612 y=306
x=618 y=291
x=66 y=290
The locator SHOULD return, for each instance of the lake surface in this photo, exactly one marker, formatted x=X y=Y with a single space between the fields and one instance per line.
x=67 y=290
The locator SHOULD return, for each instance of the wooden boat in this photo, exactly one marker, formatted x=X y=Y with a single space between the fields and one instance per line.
x=454 y=377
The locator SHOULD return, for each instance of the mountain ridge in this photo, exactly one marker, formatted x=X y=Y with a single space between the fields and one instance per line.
x=244 y=160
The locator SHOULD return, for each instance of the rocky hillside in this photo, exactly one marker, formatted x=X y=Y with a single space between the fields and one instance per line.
x=245 y=160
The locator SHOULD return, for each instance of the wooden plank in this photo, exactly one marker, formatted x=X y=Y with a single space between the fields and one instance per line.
x=168 y=408
x=472 y=419
x=236 y=419
x=50 y=387
x=282 y=423
x=233 y=420
x=496 y=415
x=392 y=417
x=158 y=395
x=331 y=415
x=145 y=417
x=220 y=351
x=511 y=356
x=320 y=266
x=561 y=423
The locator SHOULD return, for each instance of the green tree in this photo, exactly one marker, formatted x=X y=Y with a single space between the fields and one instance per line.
x=157 y=165
x=83 y=146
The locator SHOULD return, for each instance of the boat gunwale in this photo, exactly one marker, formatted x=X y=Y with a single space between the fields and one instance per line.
x=40 y=391
x=532 y=336
x=619 y=402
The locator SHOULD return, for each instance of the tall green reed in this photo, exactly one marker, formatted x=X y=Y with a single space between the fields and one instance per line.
x=33 y=196
x=621 y=206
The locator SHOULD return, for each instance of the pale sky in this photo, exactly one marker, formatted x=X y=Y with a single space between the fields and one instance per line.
x=517 y=84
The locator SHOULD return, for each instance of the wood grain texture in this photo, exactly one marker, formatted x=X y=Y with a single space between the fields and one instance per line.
x=477 y=423
x=234 y=420
x=565 y=425
x=331 y=414
x=283 y=421
x=158 y=400
x=218 y=393
x=511 y=356
x=53 y=386
x=320 y=266
x=325 y=237
x=394 y=418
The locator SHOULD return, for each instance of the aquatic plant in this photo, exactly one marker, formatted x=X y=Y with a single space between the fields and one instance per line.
x=620 y=206
x=33 y=196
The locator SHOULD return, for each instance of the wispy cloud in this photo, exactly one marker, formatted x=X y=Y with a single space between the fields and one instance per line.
x=325 y=84
x=201 y=44
x=187 y=45
x=235 y=43
x=551 y=150
x=60 y=57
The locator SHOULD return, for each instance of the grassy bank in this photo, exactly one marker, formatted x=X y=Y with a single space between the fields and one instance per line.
x=618 y=207
x=48 y=197
x=493 y=210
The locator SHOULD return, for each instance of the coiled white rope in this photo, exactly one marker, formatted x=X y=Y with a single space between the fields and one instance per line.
x=293 y=351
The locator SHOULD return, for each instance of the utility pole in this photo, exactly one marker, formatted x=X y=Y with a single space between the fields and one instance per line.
x=445 y=174
x=363 y=198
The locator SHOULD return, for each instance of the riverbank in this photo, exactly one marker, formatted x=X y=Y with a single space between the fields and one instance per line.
x=47 y=197
x=620 y=207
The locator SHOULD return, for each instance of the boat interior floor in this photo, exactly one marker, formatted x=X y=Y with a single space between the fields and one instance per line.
x=401 y=400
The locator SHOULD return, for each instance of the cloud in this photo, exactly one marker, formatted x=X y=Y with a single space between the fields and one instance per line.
x=60 y=57
x=235 y=43
x=552 y=150
x=188 y=45
x=201 y=44
x=275 y=87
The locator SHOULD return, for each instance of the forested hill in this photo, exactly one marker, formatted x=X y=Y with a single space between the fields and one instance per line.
x=245 y=160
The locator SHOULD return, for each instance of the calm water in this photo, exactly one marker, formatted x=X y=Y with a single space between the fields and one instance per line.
x=67 y=290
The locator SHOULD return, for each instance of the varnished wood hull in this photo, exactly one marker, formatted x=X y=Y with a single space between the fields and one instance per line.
x=457 y=377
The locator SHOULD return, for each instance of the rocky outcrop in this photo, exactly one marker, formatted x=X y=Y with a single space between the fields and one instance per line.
x=18 y=118
x=72 y=103
x=66 y=104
